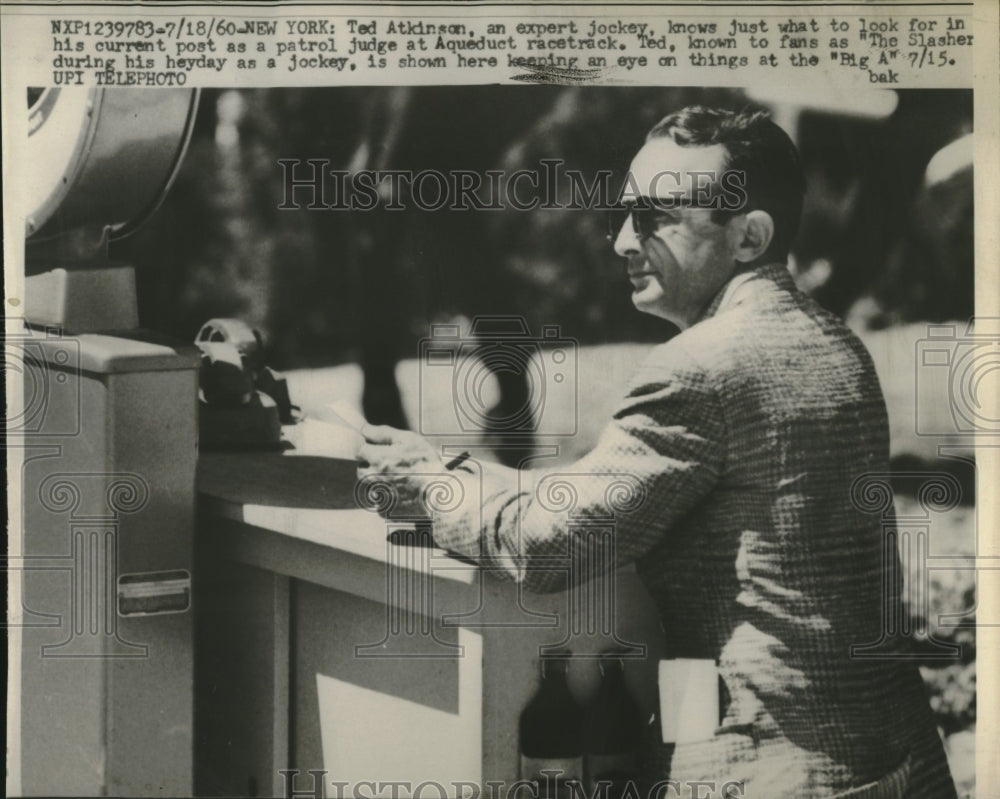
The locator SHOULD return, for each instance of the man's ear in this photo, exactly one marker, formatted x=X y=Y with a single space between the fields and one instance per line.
x=757 y=232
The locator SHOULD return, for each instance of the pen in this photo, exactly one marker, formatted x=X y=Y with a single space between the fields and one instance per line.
x=457 y=460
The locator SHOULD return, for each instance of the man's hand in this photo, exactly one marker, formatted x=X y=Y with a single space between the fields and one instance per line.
x=403 y=460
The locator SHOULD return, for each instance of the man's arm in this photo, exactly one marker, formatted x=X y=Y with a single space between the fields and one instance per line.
x=659 y=457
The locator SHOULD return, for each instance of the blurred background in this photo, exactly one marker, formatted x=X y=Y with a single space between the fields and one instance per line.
x=344 y=298
x=886 y=234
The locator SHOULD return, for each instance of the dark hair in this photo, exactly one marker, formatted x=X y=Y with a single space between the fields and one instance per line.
x=758 y=148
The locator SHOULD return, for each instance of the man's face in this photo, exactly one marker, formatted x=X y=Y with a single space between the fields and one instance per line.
x=681 y=259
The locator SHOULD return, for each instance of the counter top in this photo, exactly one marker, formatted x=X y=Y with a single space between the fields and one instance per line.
x=295 y=514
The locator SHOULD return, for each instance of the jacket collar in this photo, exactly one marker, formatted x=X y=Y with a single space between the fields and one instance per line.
x=744 y=285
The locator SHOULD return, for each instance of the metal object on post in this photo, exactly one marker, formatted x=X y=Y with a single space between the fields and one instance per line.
x=103 y=157
x=101 y=161
x=110 y=453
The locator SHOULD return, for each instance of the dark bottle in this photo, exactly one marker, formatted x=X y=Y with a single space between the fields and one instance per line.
x=614 y=732
x=550 y=733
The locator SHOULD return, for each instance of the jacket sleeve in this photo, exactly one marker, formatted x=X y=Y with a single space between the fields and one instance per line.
x=659 y=457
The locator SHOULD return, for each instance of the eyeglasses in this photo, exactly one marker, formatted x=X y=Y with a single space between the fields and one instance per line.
x=647 y=214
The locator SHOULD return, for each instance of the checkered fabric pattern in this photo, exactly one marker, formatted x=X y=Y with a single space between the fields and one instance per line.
x=725 y=475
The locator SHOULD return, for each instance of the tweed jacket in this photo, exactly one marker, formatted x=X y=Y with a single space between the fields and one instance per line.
x=728 y=468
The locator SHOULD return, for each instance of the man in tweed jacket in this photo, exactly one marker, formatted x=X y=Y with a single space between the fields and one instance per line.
x=741 y=439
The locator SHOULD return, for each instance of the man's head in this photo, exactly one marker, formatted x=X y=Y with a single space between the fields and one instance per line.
x=737 y=184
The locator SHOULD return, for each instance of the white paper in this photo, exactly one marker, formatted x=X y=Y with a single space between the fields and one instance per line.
x=689 y=700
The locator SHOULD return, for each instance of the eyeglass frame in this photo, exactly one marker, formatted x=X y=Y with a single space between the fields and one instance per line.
x=646 y=208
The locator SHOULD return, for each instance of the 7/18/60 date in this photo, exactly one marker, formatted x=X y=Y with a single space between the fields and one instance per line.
x=185 y=28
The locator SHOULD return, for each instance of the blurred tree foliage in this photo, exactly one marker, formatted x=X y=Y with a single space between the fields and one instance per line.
x=329 y=286
x=886 y=233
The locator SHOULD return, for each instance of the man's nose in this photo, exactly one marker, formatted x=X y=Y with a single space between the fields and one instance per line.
x=627 y=241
